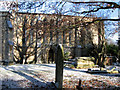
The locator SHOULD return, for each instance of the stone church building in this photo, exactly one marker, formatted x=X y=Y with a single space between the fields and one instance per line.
x=46 y=30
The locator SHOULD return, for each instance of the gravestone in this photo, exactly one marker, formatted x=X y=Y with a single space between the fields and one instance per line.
x=59 y=65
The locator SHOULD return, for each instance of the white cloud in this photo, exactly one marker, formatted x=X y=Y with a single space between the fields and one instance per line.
x=114 y=37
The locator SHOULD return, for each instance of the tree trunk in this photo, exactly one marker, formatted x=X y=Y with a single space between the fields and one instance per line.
x=36 y=48
x=21 y=59
x=101 y=45
x=23 y=42
x=75 y=45
x=63 y=37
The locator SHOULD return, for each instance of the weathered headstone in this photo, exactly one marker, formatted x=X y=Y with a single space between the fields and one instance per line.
x=59 y=65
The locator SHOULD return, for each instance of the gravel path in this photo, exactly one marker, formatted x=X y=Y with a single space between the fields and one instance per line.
x=40 y=75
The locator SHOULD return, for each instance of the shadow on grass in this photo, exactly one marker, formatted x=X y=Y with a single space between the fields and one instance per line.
x=8 y=83
x=101 y=74
x=78 y=70
x=48 y=65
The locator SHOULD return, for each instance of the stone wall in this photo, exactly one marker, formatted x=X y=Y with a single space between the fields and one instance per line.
x=2 y=32
x=5 y=36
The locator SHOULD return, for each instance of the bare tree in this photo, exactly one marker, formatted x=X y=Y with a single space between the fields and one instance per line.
x=96 y=8
x=25 y=41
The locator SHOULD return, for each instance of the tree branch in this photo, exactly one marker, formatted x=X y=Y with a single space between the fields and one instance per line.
x=112 y=5
x=103 y=20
